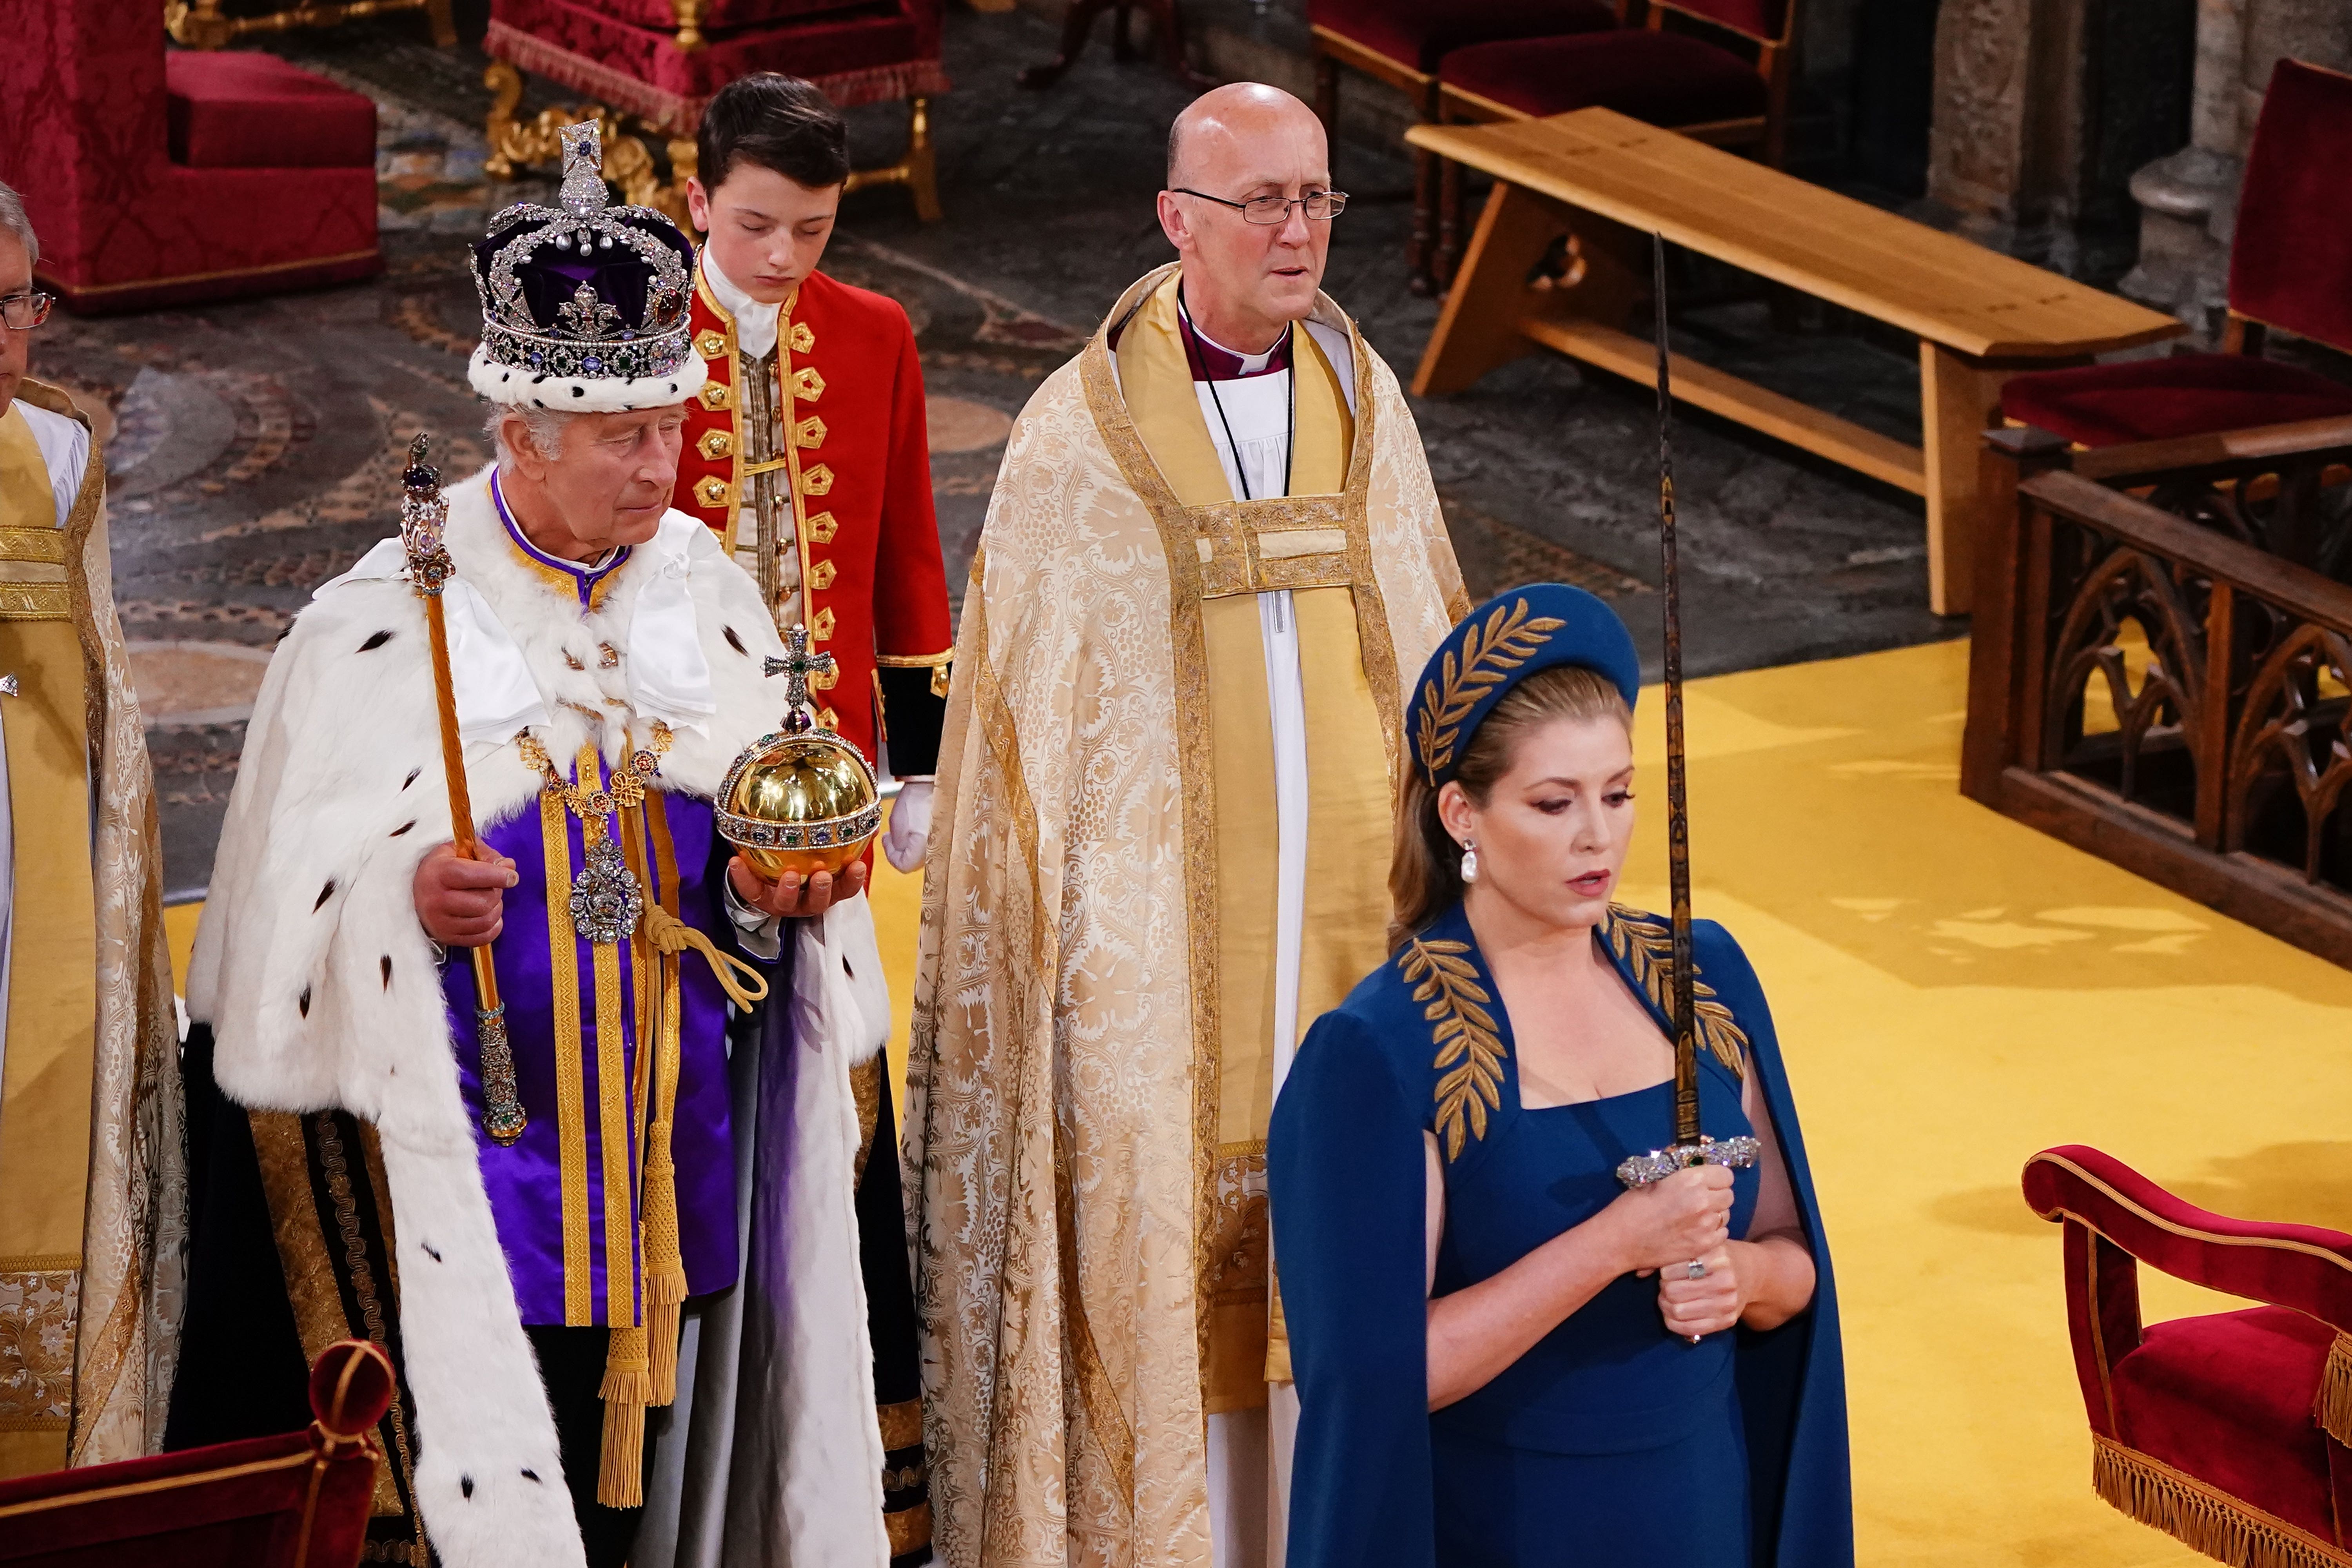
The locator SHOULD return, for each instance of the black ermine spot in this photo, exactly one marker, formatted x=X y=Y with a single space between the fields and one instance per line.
x=387 y=971
x=303 y=1002
x=530 y=1475
x=430 y=1250
x=411 y=778
x=846 y=970
x=404 y=828
x=324 y=894
x=735 y=642
x=466 y=1485
x=375 y=642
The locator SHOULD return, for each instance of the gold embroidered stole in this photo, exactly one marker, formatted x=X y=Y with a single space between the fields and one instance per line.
x=1311 y=542
x=47 y=1056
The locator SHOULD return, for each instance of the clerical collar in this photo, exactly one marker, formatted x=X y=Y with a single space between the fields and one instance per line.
x=560 y=573
x=1211 y=361
x=755 y=323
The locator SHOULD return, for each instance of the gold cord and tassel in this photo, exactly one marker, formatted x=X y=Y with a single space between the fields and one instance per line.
x=2332 y=1407
x=2201 y=1517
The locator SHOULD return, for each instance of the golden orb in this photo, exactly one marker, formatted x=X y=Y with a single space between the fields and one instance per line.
x=800 y=799
x=802 y=803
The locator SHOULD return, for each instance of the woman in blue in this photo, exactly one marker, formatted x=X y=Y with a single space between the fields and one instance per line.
x=1505 y=1359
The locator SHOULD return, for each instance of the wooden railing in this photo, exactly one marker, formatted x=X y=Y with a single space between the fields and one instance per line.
x=2161 y=664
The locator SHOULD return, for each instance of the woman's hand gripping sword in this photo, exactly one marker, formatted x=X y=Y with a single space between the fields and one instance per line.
x=1690 y=1147
x=422 y=513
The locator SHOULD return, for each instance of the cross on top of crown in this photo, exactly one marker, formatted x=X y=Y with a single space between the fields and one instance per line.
x=797 y=665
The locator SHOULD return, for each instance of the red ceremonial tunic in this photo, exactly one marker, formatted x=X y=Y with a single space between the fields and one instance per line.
x=874 y=587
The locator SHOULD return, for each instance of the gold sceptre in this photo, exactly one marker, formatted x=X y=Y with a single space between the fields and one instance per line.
x=424 y=513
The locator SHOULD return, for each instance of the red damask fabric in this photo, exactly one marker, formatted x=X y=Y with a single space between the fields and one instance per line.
x=870 y=54
x=84 y=124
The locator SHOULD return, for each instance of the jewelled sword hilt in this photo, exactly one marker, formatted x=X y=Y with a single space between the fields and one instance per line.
x=1643 y=1170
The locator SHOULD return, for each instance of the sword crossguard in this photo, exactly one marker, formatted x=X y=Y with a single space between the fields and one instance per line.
x=1643 y=1170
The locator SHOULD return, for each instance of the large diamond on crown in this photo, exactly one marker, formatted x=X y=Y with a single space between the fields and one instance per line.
x=588 y=289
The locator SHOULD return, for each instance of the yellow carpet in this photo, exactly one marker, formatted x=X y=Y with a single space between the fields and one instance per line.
x=1953 y=992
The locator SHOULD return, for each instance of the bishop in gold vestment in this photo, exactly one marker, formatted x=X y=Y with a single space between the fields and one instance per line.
x=93 y=1195
x=1137 y=900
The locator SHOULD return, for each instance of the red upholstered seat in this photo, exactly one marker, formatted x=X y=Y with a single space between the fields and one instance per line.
x=1418 y=33
x=869 y=53
x=255 y=112
x=2159 y=399
x=1664 y=78
x=2228 y=1431
x=86 y=115
x=2290 y=267
x=2227 y=1399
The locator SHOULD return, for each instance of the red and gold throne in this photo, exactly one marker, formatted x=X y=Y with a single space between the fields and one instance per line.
x=661 y=61
x=2226 y=1431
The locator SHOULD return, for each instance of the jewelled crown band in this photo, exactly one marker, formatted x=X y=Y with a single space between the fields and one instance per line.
x=585 y=305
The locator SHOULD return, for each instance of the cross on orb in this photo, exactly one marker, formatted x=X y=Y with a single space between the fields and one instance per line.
x=797 y=665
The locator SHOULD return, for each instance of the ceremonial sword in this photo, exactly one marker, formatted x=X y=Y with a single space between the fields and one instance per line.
x=1691 y=1146
x=424 y=513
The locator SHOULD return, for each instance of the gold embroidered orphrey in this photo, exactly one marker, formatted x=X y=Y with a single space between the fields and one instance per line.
x=1068 y=1250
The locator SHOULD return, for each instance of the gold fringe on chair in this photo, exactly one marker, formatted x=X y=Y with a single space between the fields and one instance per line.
x=2332 y=1407
x=628 y=1383
x=2202 y=1517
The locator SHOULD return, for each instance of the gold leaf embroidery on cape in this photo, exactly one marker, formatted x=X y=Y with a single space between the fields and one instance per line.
x=1508 y=639
x=1445 y=979
x=1646 y=947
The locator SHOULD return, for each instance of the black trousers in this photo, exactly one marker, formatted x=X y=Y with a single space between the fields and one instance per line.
x=571 y=1363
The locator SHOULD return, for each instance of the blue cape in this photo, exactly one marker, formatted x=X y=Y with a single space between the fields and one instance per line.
x=1346 y=1163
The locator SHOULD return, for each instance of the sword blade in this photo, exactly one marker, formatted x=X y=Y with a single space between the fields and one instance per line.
x=1685 y=1015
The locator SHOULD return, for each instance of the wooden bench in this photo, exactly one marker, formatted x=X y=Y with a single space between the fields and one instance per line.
x=1600 y=184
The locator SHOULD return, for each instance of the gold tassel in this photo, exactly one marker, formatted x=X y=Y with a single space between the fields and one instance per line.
x=2333 y=1408
x=665 y=1268
x=628 y=1383
x=2200 y=1516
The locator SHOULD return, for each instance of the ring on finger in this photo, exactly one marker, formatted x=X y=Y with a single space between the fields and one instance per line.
x=1694 y=1269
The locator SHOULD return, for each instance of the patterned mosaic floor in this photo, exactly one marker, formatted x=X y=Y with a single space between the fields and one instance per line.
x=253 y=447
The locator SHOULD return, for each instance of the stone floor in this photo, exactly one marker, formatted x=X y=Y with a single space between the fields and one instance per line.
x=253 y=449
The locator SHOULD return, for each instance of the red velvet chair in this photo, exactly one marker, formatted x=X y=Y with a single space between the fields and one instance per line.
x=2290 y=267
x=154 y=181
x=2226 y=1431
x=296 y=1502
x=663 y=60
x=1725 y=82
x=1401 y=42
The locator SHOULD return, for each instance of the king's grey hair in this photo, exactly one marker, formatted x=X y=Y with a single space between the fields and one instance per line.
x=546 y=427
x=13 y=221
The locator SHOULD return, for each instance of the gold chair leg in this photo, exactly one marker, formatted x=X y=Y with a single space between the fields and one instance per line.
x=445 y=27
x=918 y=171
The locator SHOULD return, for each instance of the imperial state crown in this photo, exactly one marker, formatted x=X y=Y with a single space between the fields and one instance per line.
x=585 y=305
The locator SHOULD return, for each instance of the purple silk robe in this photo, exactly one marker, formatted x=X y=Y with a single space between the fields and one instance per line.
x=525 y=1181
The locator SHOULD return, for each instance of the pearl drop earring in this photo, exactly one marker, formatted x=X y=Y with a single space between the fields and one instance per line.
x=1469 y=862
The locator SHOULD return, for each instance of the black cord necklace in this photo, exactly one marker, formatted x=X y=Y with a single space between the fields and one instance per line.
x=1197 y=362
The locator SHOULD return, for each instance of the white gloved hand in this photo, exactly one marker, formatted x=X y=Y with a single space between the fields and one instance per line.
x=910 y=833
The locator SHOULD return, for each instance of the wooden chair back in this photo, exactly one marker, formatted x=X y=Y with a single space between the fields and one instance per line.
x=1766 y=22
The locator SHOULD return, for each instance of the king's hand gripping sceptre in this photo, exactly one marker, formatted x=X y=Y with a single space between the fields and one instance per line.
x=424 y=511
x=1690 y=1147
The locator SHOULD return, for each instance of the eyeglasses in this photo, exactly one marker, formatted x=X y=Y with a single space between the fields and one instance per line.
x=1266 y=211
x=22 y=312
